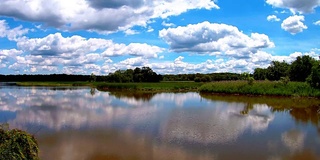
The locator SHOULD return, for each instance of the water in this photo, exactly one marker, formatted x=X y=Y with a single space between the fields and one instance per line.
x=83 y=123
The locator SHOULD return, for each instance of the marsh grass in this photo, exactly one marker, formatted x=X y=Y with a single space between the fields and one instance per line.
x=163 y=86
x=261 y=88
x=275 y=88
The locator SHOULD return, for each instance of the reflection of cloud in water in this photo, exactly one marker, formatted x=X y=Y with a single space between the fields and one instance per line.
x=293 y=139
x=179 y=98
x=72 y=108
x=215 y=122
x=219 y=124
x=56 y=117
x=104 y=144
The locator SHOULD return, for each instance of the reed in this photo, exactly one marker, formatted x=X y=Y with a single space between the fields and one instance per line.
x=275 y=88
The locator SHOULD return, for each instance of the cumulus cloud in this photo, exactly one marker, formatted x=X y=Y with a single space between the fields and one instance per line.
x=301 y=6
x=294 y=24
x=208 y=37
x=134 y=49
x=273 y=18
x=97 y=15
x=73 y=55
x=12 y=34
x=137 y=61
x=7 y=55
x=56 y=44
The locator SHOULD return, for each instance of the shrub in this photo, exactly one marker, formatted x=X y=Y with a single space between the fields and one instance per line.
x=314 y=78
x=17 y=144
x=285 y=80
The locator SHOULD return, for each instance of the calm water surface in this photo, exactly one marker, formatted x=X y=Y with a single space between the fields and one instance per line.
x=86 y=124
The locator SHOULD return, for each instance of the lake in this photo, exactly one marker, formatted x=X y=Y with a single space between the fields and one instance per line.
x=85 y=124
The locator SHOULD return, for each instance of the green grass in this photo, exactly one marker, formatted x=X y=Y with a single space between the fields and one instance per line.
x=226 y=87
x=162 y=86
x=261 y=88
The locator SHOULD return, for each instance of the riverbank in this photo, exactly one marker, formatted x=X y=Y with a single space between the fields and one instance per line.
x=269 y=88
x=103 y=86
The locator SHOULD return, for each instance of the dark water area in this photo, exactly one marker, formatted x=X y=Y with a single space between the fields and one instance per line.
x=82 y=123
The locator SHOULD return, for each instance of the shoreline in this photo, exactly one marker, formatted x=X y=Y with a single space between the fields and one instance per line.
x=258 y=88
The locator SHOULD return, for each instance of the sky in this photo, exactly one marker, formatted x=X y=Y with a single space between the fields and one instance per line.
x=169 y=36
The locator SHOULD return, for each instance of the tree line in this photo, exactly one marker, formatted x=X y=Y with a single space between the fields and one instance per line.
x=144 y=74
x=303 y=69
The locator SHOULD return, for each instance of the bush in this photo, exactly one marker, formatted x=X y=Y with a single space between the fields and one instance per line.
x=314 y=78
x=285 y=80
x=17 y=144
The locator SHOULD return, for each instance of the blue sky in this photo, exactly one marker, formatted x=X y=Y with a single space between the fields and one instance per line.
x=170 y=36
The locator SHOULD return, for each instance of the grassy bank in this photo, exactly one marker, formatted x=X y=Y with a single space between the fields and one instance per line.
x=261 y=88
x=226 y=87
x=163 y=86
x=102 y=86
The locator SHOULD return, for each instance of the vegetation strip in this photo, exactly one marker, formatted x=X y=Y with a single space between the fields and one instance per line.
x=275 y=88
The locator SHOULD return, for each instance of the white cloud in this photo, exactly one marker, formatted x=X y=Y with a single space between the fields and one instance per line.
x=167 y=24
x=317 y=23
x=134 y=49
x=210 y=38
x=7 y=55
x=70 y=47
x=273 y=18
x=56 y=44
x=97 y=15
x=150 y=29
x=301 y=6
x=74 y=55
x=130 y=32
x=12 y=34
x=294 y=24
x=132 y=62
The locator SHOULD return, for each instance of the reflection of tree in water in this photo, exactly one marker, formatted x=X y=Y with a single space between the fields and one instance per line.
x=93 y=91
x=305 y=154
x=247 y=108
x=145 y=96
x=305 y=115
x=303 y=110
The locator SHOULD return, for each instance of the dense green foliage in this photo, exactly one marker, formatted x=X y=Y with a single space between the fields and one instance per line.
x=314 y=78
x=261 y=88
x=304 y=68
x=17 y=144
x=144 y=74
x=198 y=77
x=300 y=69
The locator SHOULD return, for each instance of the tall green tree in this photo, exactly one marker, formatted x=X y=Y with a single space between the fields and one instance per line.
x=260 y=74
x=301 y=68
x=277 y=70
x=314 y=77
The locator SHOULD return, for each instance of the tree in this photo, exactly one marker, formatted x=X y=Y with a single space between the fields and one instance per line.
x=277 y=69
x=314 y=77
x=260 y=73
x=93 y=77
x=301 y=68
